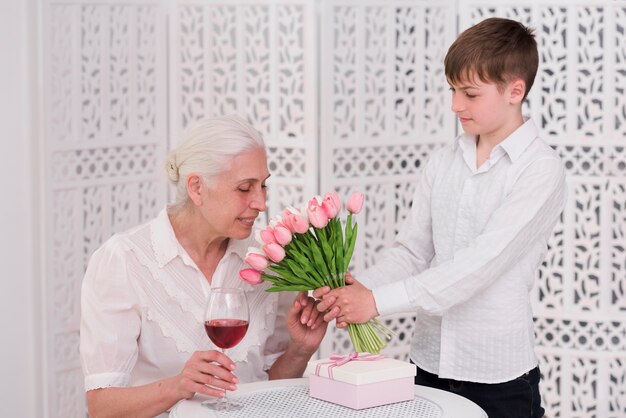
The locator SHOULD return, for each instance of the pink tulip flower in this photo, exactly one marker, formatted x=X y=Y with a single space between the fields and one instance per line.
x=256 y=261
x=294 y=221
x=300 y=225
x=275 y=252
x=267 y=236
x=355 y=203
x=317 y=215
x=282 y=234
x=286 y=215
x=251 y=276
x=331 y=204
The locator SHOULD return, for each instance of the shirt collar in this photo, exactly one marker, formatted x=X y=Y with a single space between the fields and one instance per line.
x=516 y=143
x=513 y=145
x=164 y=242
x=166 y=246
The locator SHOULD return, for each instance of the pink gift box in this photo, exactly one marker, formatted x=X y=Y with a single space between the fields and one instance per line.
x=362 y=384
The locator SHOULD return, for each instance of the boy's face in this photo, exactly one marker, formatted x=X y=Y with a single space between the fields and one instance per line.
x=485 y=110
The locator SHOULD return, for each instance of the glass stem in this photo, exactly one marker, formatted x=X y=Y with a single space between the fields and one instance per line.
x=222 y=400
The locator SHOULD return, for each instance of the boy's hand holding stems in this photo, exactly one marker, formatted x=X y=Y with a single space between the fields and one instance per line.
x=350 y=304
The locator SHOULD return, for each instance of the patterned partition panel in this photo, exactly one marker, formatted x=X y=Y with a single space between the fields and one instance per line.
x=103 y=142
x=384 y=109
x=579 y=101
x=257 y=60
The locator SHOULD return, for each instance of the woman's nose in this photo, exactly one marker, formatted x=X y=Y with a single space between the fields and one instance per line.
x=259 y=201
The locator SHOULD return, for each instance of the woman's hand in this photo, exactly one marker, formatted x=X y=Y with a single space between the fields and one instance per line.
x=204 y=368
x=307 y=329
x=305 y=324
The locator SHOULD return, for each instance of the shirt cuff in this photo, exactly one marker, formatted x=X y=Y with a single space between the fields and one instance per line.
x=366 y=279
x=392 y=298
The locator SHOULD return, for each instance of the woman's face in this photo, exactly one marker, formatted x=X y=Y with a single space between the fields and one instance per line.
x=236 y=196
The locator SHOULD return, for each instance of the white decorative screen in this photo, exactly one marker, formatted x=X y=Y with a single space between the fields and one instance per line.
x=104 y=139
x=257 y=60
x=385 y=108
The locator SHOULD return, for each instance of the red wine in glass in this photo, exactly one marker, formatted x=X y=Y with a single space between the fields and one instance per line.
x=226 y=333
x=226 y=320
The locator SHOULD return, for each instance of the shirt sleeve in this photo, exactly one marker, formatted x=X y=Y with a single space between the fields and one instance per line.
x=528 y=213
x=412 y=250
x=110 y=320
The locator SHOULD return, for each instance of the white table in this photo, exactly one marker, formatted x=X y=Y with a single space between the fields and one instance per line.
x=289 y=398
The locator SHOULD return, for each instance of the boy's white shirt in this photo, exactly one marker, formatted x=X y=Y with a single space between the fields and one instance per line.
x=466 y=256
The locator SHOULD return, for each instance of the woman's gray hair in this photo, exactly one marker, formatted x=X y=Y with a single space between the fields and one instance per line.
x=206 y=147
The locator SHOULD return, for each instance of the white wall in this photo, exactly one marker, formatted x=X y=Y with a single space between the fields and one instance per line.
x=20 y=379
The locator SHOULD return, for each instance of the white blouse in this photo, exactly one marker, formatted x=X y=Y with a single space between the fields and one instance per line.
x=142 y=310
x=466 y=257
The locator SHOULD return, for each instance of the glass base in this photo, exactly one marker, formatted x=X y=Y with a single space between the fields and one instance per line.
x=222 y=404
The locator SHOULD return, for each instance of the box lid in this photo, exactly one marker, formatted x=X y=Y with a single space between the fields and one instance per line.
x=359 y=372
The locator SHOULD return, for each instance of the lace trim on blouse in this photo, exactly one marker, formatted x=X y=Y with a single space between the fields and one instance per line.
x=176 y=303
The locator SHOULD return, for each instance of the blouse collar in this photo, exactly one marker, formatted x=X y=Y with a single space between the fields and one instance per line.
x=166 y=246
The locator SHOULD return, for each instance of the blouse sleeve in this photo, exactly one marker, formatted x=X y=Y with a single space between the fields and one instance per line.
x=278 y=341
x=110 y=319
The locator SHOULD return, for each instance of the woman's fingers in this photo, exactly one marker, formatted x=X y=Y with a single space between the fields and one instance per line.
x=332 y=314
x=210 y=368
x=320 y=292
x=317 y=321
x=326 y=303
x=307 y=305
x=215 y=380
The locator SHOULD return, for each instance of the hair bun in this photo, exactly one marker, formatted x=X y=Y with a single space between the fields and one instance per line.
x=172 y=169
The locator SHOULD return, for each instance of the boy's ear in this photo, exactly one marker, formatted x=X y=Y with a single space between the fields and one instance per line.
x=194 y=188
x=517 y=89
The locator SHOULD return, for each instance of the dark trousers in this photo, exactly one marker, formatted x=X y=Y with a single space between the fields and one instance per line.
x=517 y=398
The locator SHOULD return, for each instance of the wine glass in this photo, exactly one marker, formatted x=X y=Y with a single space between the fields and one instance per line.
x=226 y=322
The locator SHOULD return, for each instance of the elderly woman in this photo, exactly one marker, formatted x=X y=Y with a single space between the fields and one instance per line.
x=143 y=344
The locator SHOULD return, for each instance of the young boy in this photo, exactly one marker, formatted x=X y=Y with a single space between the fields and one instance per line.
x=466 y=256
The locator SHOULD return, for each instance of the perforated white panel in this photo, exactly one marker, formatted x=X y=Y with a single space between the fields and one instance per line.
x=257 y=60
x=385 y=109
x=104 y=141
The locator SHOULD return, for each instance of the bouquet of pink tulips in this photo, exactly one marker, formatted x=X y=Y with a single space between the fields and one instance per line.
x=308 y=248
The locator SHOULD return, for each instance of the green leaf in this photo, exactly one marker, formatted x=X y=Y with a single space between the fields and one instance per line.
x=327 y=252
x=304 y=250
x=341 y=267
x=283 y=288
x=320 y=265
x=278 y=268
x=296 y=269
x=349 y=228
x=350 y=249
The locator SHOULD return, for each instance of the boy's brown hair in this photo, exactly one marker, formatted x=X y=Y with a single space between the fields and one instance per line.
x=496 y=50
